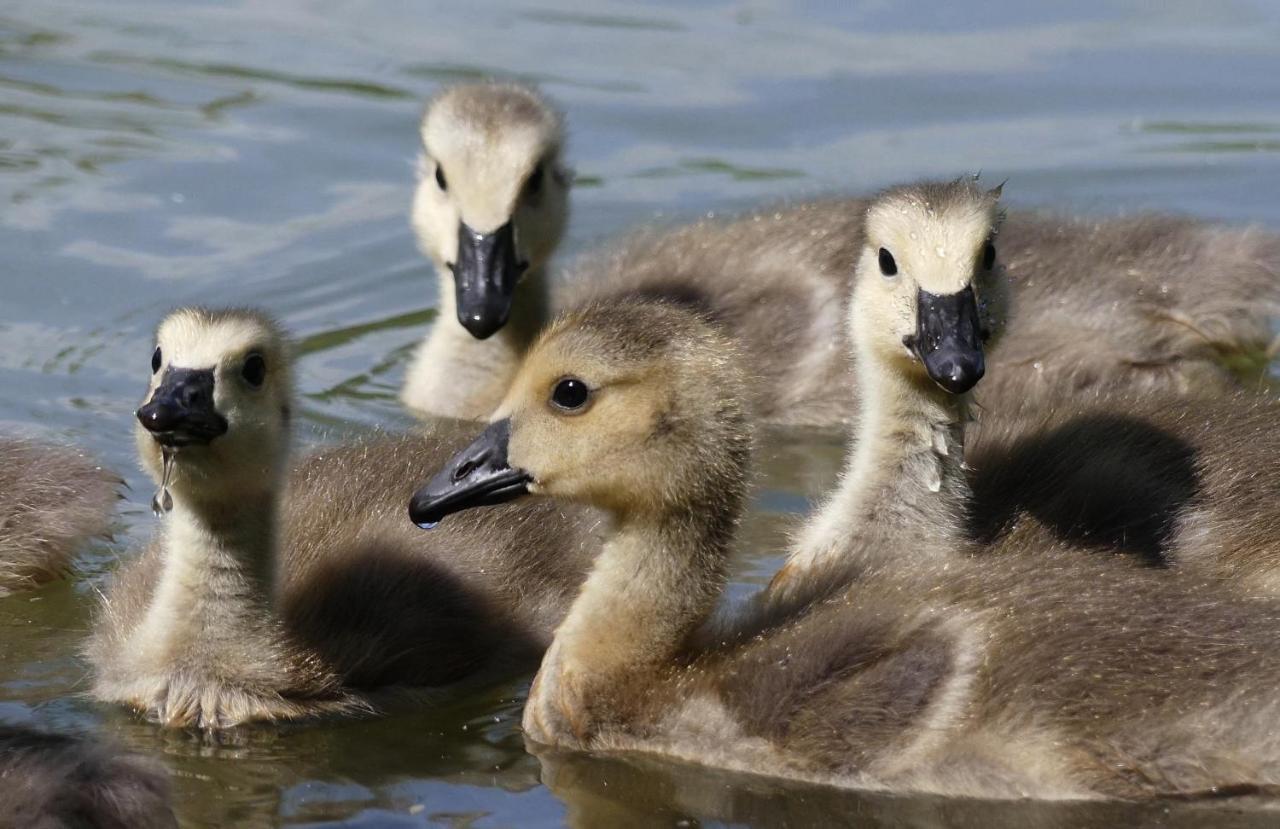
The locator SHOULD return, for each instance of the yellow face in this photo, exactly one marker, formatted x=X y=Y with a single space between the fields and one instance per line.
x=929 y=278
x=584 y=427
x=636 y=409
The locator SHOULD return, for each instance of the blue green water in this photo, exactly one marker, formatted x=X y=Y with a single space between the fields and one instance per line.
x=154 y=154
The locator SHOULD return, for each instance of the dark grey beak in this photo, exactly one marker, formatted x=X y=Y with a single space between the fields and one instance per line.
x=478 y=476
x=484 y=277
x=948 y=339
x=181 y=411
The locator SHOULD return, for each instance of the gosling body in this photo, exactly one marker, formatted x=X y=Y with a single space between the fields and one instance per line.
x=53 y=500
x=1167 y=481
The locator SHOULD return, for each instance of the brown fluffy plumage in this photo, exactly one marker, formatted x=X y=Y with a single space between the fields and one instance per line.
x=57 y=781
x=1052 y=675
x=53 y=499
x=1190 y=483
x=213 y=626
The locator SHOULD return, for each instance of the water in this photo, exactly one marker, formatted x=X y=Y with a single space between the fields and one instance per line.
x=157 y=154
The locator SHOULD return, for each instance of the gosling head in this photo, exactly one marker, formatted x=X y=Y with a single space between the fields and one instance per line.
x=218 y=402
x=492 y=197
x=636 y=408
x=929 y=285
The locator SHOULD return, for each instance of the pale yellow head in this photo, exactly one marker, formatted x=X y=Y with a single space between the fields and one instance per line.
x=491 y=156
x=930 y=290
x=219 y=400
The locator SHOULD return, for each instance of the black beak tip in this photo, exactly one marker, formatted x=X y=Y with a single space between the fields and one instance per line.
x=422 y=514
x=482 y=326
x=956 y=374
x=155 y=418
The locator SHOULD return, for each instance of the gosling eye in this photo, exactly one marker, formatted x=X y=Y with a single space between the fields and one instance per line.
x=988 y=255
x=534 y=185
x=888 y=267
x=156 y=359
x=440 y=182
x=254 y=370
x=570 y=395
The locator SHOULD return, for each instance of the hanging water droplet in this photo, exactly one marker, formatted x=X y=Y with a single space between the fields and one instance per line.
x=940 y=442
x=162 y=501
x=428 y=525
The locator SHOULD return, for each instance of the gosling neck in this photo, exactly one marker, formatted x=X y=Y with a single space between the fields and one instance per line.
x=456 y=375
x=654 y=583
x=903 y=491
x=217 y=580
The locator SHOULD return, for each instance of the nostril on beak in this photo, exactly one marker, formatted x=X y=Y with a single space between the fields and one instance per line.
x=464 y=470
x=452 y=268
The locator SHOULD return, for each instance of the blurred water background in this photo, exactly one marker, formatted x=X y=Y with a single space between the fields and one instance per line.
x=160 y=153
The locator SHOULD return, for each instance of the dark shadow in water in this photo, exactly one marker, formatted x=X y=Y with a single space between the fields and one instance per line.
x=1106 y=481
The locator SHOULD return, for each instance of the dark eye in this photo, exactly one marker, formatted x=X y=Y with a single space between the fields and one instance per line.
x=255 y=370
x=570 y=394
x=156 y=359
x=534 y=185
x=440 y=182
x=888 y=267
x=988 y=256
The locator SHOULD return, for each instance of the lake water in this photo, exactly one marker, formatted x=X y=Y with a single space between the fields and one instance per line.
x=154 y=154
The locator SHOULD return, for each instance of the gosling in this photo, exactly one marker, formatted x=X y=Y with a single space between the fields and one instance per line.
x=254 y=604
x=981 y=677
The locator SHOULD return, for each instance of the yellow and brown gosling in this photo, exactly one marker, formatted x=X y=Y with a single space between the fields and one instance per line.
x=987 y=677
